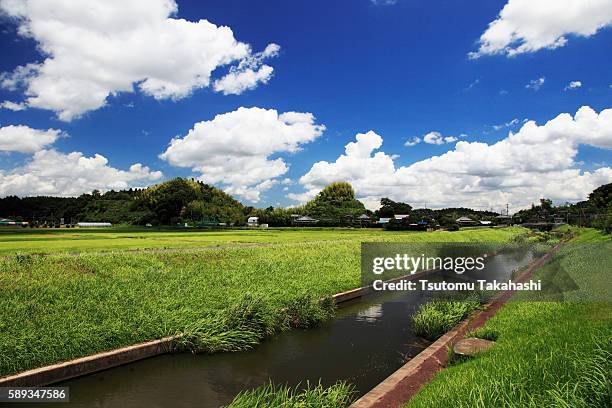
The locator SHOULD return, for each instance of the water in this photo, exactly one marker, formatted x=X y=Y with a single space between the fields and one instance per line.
x=366 y=342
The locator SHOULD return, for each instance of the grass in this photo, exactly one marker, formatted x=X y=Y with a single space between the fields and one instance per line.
x=338 y=395
x=547 y=354
x=59 y=307
x=245 y=324
x=55 y=241
x=435 y=318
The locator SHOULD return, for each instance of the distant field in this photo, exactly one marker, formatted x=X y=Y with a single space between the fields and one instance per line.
x=60 y=307
x=50 y=241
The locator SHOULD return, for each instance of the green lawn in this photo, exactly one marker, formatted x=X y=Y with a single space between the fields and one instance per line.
x=59 y=307
x=548 y=354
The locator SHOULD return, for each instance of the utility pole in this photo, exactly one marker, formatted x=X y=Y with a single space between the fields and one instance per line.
x=507 y=209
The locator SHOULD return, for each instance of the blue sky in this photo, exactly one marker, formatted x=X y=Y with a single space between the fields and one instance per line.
x=401 y=70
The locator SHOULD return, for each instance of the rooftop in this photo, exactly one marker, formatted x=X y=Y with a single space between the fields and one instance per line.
x=464 y=219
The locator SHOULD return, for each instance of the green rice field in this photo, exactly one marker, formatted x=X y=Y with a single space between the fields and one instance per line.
x=61 y=306
x=54 y=241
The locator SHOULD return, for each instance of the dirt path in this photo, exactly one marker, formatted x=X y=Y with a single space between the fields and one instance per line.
x=171 y=250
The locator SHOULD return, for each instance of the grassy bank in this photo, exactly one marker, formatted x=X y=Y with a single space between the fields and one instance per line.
x=60 y=307
x=547 y=353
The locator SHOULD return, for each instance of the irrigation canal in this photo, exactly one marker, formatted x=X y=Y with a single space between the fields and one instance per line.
x=368 y=340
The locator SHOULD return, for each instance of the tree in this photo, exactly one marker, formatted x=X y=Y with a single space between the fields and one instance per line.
x=600 y=202
x=389 y=208
x=180 y=200
x=546 y=203
x=167 y=199
x=335 y=205
x=601 y=197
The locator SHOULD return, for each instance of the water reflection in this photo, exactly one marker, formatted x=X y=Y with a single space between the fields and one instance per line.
x=370 y=315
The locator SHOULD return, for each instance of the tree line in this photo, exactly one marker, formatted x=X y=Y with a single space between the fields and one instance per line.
x=594 y=212
x=175 y=201
x=180 y=201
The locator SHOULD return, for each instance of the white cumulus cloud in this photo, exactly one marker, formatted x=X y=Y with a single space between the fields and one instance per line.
x=434 y=138
x=413 y=141
x=93 y=49
x=538 y=161
x=573 y=85
x=12 y=106
x=24 y=139
x=437 y=138
x=527 y=26
x=248 y=74
x=50 y=172
x=234 y=149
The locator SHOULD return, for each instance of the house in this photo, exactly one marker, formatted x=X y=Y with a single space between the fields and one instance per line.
x=364 y=219
x=488 y=223
x=384 y=220
x=94 y=224
x=253 y=221
x=466 y=222
x=400 y=217
x=6 y=223
x=503 y=219
x=305 y=220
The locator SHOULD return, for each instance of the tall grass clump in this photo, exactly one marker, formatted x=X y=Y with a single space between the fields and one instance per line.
x=305 y=312
x=339 y=395
x=541 y=248
x=246 y=323
x=439 y=316
x=213 y=335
